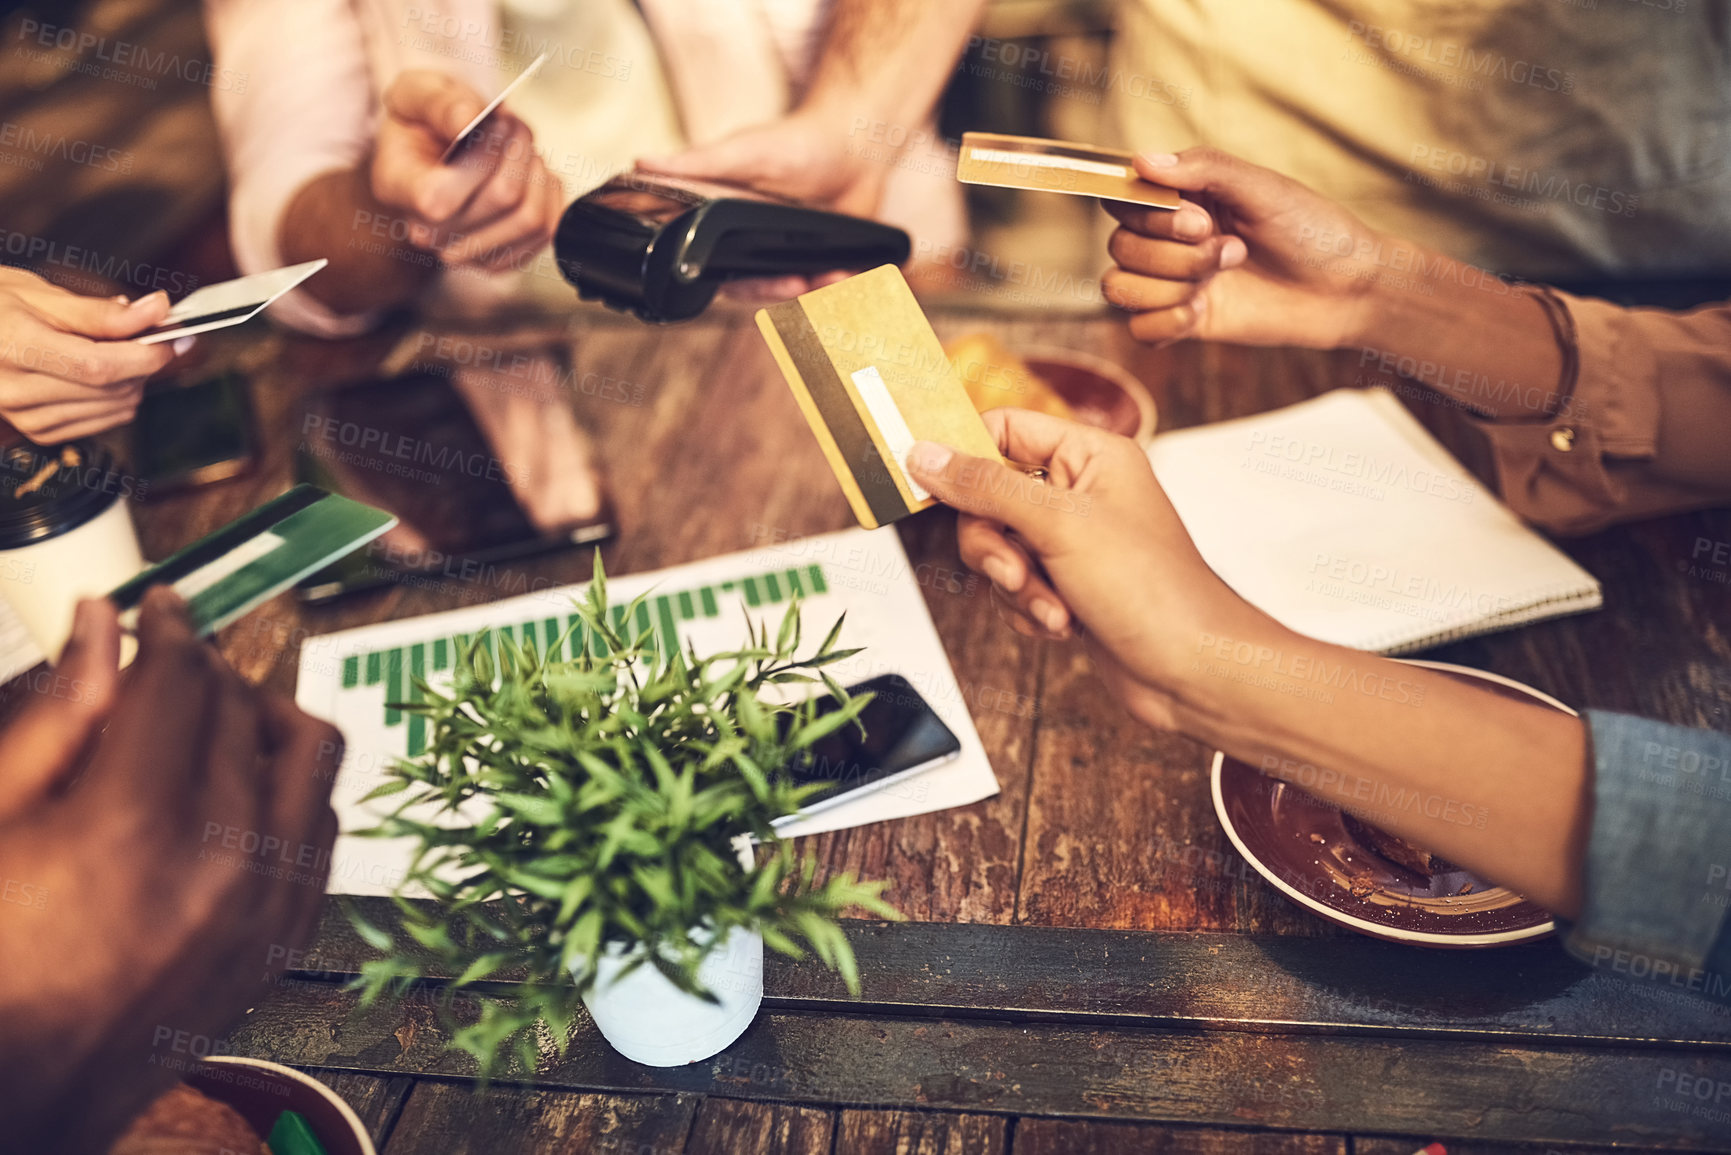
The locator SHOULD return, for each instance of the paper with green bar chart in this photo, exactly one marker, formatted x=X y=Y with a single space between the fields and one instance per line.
x=351 y=678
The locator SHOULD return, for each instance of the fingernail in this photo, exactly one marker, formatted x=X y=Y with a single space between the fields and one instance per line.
x=1050 y=615
x=1160 y=159
x=999 y=571
x=182 y=344
x=143 y=302
x=121 y=299
x=1191 y=222
x=1233 y=253
x=929 y=457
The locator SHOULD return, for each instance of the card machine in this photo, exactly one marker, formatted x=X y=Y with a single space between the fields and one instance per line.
x=660 y=247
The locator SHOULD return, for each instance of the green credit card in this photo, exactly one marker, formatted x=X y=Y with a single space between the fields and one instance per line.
x=250 y=560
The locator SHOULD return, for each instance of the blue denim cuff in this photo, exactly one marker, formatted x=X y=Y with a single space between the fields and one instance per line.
x=1658 y=866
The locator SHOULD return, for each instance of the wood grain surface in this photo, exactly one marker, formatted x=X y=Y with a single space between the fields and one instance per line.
x=1503 y=1091
x=1099 y=822
x=920 y=1133
x=1129 y=983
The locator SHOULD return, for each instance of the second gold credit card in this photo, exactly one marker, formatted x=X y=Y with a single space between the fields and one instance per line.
x=1028 y=162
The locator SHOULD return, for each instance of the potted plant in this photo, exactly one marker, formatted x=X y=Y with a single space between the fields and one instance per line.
x=587 y=823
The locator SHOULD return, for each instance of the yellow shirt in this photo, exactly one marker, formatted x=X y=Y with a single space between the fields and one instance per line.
x=600 y=102
x=1539 y=138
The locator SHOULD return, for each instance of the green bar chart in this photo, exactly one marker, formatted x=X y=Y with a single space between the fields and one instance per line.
x=400 y=668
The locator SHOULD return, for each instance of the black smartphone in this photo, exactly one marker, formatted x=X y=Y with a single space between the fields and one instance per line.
x=903 y=736
x=192 y=434
x=408 y=445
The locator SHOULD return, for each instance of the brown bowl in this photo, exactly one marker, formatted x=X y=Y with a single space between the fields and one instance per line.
x=1100 y=392
x=262 y=1090
x=1302 y=846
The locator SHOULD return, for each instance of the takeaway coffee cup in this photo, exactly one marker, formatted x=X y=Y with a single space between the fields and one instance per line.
x=65 y=533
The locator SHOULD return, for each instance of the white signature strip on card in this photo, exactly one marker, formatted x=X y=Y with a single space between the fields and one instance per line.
x=1046 y=160
x=227 y=565
x=887 y=416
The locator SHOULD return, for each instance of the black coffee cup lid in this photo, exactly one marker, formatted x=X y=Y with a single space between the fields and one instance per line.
x=46 y=491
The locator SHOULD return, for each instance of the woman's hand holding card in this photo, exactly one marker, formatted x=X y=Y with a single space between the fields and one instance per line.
x=1250 y=257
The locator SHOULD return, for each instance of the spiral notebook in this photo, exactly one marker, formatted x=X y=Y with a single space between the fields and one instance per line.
x=1342 y=518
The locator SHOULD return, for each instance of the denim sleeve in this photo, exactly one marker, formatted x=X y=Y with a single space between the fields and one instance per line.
x=1658 y=865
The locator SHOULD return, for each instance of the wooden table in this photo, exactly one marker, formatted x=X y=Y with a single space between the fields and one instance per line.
x=1089 y=966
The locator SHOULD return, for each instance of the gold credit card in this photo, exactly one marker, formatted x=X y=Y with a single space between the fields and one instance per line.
x=872 y=379
x=1057 y=166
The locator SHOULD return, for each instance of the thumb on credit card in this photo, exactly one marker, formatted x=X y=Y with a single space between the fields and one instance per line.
x=984 y=488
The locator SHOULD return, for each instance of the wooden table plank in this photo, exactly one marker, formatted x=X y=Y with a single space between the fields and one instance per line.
x=455 y=1119
x=1121 y=829
x=1464 y=1088
x=1087 y=1137
x=1373 y=1145
x=733 y=1127
x=920 y=1133
x=1270 y=983
x=377 y=1101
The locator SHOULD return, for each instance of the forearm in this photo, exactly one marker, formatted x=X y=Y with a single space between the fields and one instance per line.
x=888 y=60
x=372 y=264
x=1462 y=332
x=1497 y=785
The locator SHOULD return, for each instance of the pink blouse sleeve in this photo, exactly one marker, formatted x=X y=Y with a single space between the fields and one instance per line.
x=302 y=104
x=1588 y=460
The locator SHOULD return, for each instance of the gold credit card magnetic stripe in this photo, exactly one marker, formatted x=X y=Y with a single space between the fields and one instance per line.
x=815 y=379
x=399 y=667
x=1058 y=166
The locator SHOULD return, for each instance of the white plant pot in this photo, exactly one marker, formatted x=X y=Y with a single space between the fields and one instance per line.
x=651 y=1021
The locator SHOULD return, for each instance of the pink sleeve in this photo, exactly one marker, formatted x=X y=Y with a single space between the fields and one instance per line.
x=1592 y=459
x=303 y=104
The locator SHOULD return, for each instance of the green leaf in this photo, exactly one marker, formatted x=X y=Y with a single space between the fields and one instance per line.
x=753 y=719
x=481 y=967
x=551 y=889
x=540 y=811
x=832 y=658
x=787 y=637
x=657 y=883
x=434 y=937
x=386 y=789
x=753 y=776
x=822 y=727
x=370 y=934
x=577 y=892
x=776 y=939
x=597 y=581
x=582 y=944
x=834 y=634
